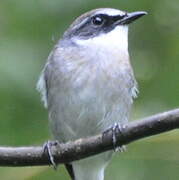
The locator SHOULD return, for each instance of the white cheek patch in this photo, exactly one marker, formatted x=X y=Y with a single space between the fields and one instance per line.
x=115 y=39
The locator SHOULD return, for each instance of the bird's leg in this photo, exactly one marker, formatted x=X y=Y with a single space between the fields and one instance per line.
x=117 y=128
x=47 y=147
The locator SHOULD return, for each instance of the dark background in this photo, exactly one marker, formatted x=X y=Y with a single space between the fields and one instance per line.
x=28 y=31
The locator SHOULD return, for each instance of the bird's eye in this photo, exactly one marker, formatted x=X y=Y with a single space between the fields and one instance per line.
x=97 y=20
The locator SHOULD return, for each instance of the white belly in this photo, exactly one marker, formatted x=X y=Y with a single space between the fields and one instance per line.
x=87 y=94
x=87 y=108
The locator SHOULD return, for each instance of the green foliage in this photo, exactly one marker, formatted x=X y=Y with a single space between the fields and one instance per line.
x=26 y=32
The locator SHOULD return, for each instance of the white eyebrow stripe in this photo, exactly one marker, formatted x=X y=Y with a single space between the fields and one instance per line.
x=111 y=12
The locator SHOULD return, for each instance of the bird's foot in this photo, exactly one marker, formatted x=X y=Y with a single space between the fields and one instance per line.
x=120 y=148
x=116 y=129
x=47 y=147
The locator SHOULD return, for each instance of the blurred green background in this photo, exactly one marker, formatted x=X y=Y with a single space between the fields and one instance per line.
x=28 y=31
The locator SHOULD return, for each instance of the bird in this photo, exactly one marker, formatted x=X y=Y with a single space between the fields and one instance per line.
x=88 y=84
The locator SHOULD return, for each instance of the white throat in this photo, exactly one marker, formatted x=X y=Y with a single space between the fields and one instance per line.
x=115 y=39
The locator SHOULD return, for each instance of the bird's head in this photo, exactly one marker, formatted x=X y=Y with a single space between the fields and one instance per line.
x=104 y=26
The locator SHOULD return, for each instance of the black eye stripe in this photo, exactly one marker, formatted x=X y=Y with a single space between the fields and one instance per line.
x=109 y=19
x=98 y=20
x=103 y=24
x=117 y=18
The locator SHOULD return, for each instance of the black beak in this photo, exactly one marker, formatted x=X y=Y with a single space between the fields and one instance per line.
x=130 y=17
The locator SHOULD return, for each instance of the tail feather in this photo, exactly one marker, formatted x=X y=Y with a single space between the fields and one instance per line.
x=69 y=168
x=89 y=169
x=81 y=173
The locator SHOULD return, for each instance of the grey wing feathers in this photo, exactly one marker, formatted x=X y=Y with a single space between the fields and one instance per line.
x=42 y=88
x=42 y=84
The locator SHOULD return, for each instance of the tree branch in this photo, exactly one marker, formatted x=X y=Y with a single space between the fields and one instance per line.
x=82 y=148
